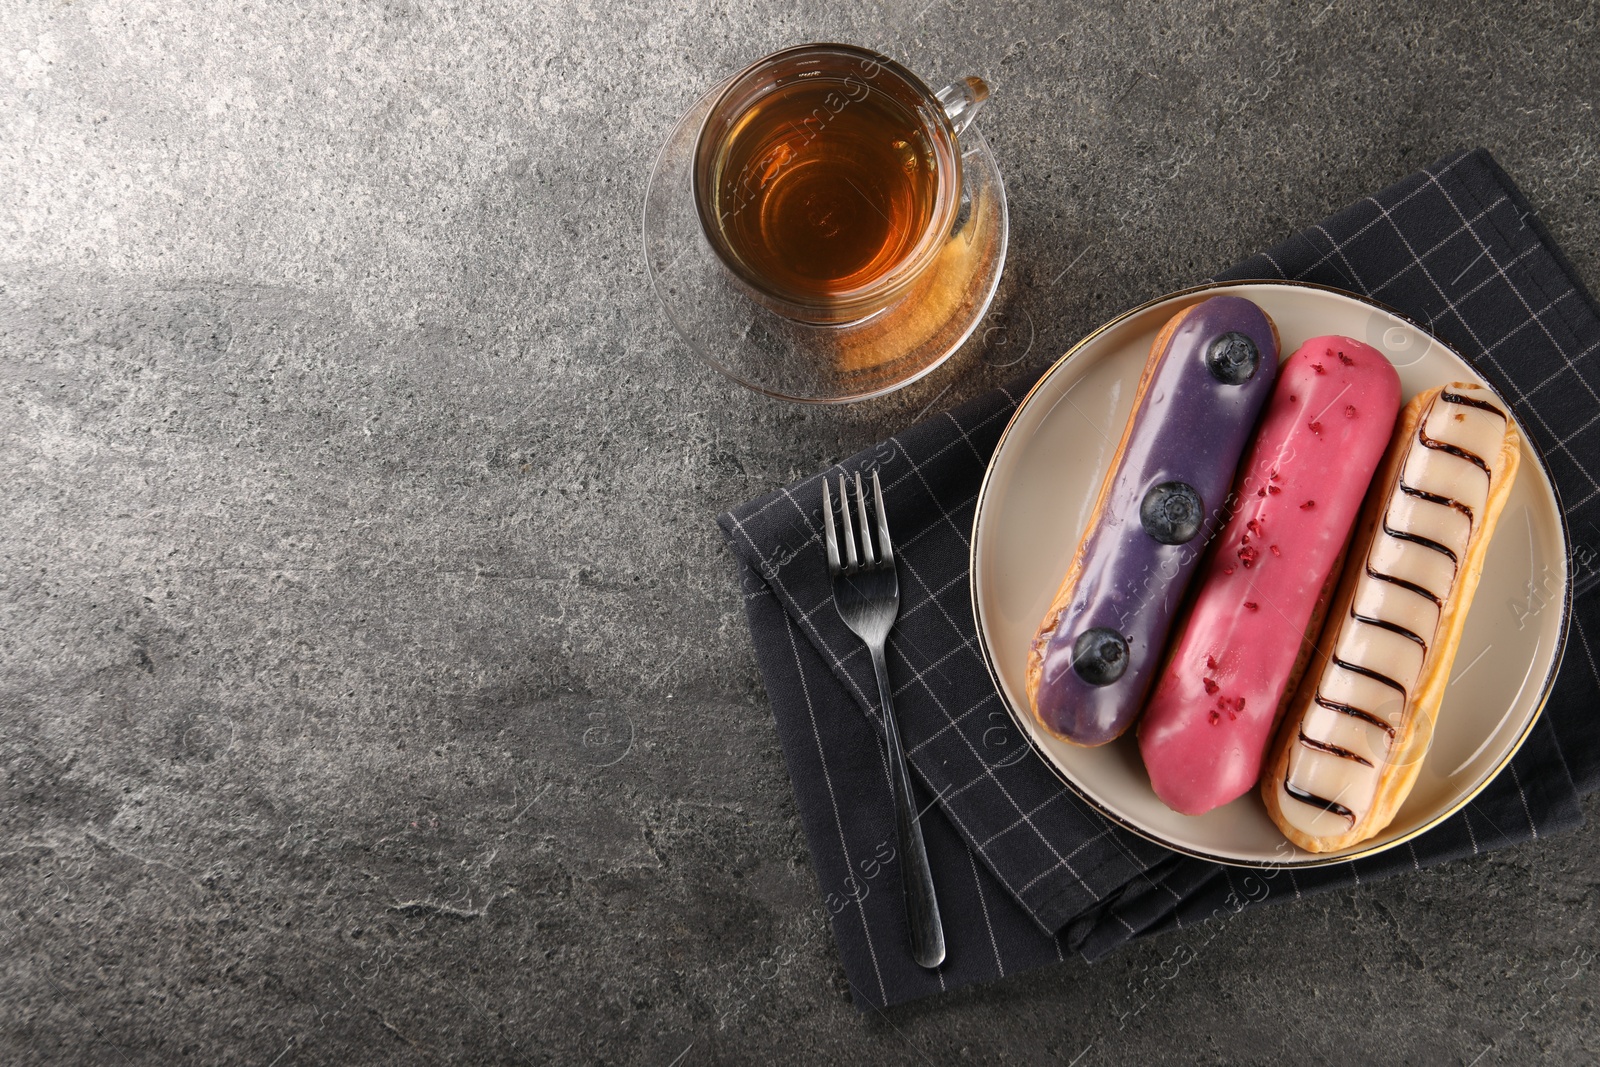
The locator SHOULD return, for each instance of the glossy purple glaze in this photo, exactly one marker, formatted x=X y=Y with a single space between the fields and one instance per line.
x=1189 y=428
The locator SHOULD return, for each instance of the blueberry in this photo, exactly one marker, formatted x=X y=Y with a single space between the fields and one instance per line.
x=1233 y=359
x=1100 y=656
x=1171 y=513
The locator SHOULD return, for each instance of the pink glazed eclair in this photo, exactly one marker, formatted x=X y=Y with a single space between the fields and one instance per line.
x=1244 y=643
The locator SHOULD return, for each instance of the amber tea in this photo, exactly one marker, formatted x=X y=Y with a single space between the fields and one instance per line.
x=825 y=186
x=825 y=178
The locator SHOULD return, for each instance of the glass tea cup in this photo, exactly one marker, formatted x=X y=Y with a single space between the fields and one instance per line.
x=827 y=179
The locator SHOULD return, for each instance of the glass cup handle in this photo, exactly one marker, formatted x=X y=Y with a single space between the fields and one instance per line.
x=962 y=101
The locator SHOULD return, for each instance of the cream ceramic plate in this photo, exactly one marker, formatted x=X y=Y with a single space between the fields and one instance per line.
x=1035 y=502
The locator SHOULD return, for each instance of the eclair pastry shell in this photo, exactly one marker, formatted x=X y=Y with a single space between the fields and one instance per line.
x=1119 y=576
x=1415 y=730
x=1069 y=584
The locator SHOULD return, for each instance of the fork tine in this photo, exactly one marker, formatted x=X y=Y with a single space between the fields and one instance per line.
x=849 y=526
x=827 y=530
x=867 y=558
x=885 y=548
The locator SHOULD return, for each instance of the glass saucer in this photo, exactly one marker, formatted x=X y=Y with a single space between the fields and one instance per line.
x=820 y=363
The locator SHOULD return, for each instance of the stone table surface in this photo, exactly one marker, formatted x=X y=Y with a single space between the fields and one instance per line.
x=374 y=686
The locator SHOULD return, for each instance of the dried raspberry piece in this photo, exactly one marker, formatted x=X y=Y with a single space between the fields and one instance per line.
x=1273 y=490
x=1261 y=492
x=1349 y=411
x=1293 y=398
x=1247 y=556
x=1308 y=505
x=1211 y=687
x=1250 y=605
x=1211 y=663
x=1274 y=550
x=1316 y=427
x=1318 y=368
x=1346 y=360
x=1213 y=718
x=1238 y=703
x=1254 y=526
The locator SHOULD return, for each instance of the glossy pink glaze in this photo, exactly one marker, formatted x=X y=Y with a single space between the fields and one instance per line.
x=1206 y=727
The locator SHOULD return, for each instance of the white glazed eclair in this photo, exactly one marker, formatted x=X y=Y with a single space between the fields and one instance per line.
x=1352 y=741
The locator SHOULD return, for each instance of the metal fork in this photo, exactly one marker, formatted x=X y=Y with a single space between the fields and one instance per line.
x=867 y=593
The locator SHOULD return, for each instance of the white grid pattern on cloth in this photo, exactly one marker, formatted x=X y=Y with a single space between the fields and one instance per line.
x=977 y=885
x=1470 y=226
x=844 y=844
x=1486 y=350
x=1311 y=268
x=825 y=632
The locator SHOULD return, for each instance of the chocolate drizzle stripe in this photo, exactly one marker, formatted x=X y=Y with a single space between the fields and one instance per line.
x=1368 y=672
x=1481 y=405
x=1333 y=750
x=1454 y=450
x=1403 y=584
x=1355 y=713
x=1418 y=539
x=1392 y=627
x=1319 y=802
x=1435 y=498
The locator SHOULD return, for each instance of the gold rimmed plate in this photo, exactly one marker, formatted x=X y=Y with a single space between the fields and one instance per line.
x=1035 y=503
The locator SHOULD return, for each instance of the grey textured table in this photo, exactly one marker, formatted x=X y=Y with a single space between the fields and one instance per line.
x=373 y=683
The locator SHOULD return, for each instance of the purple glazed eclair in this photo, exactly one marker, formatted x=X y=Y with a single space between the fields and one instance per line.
x=1166 y=494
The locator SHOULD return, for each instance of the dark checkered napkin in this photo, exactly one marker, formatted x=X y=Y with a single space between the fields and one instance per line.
x=1026 y=872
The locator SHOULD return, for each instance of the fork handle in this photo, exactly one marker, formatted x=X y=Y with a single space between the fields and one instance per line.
x=922 y=906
